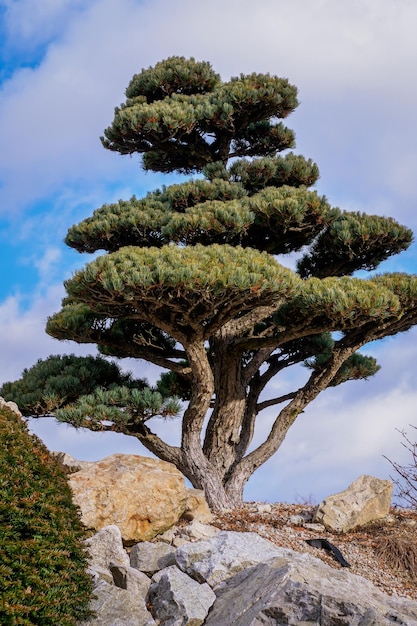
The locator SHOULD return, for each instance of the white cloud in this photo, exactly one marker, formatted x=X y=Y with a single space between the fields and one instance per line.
x=46 y=263
x=22 y=333
x=30 y=23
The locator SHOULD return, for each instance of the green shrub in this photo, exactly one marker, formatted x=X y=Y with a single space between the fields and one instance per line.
x=42 y=558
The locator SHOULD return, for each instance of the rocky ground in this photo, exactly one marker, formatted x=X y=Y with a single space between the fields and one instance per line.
x=384 y=552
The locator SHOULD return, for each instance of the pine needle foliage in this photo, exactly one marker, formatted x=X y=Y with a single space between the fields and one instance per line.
x=42 y=558
x=58 y=380
x=126 y=408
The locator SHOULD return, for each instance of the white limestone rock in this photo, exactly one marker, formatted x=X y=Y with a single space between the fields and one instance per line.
x=367 y=499
x=223 y=555
x=178 y=600
x=106 y=547
x=151 y=557
x=298 y=589
x=117 y=607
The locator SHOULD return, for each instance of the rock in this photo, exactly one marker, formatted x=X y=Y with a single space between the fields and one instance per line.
x=223 y=555
x=142 y=496
x=297 y=589
x=71 y=465
x=106 y=547
x=255 y=584
x=262 y=507
x=100 y=573
x=197 y=508
x=168 y=536
x=10 y=405
x=180 y=535
x=365 y=500
x=301 y=519
x=178 y=600
x=196 y=531
x=117 y=607
x=151 y=557
x=131 y=579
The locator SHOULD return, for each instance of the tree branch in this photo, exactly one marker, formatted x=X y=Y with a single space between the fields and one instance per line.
x=274 y=401
x=318 y=381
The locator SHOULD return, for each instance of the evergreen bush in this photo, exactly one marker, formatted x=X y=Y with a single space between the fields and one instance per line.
x=42 y=559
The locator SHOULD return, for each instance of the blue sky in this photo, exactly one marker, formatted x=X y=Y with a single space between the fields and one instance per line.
x=64 y=65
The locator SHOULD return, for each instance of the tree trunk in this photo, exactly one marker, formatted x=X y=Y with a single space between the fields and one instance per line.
x=211 y=482
x=223 y=429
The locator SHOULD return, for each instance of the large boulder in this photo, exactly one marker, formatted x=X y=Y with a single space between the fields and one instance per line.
x=222 y=556
x=296 y=589
x=367 y=499
x=142 y=496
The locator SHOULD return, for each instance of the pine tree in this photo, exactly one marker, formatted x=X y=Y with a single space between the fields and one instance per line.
x=190 y=280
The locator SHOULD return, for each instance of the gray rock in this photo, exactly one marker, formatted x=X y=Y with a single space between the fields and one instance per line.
x=69 y=462
x=301 y=519
x=151 y=557
x=261 y=507
x=223 y=555
x=178 y=600
x=100 y=573
x=117 y=607
x=105 y=547
x=365 y=500
x=167 y=537
x=197 y=531
x=131 y=579
x=297 y=589
x=256 y=584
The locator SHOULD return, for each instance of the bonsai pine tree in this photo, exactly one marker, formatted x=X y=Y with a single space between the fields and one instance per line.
x=190 y=280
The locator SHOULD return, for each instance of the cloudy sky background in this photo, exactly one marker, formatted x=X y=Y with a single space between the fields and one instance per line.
x=64 y=65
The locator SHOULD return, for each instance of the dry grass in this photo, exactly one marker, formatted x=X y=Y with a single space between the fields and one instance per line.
x=400 y=551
